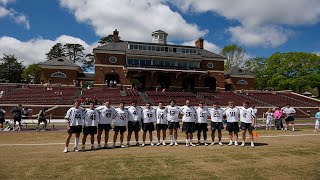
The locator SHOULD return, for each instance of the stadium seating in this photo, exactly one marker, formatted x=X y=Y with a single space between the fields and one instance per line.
x=179 y=97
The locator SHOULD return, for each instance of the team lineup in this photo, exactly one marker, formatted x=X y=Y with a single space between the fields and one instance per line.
x=94 y=120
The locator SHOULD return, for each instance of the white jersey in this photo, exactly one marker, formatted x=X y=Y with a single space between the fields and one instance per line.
x=189 y=114
x=288 y=111
x=162 y=116
x=91 y=117
x=202 y=115
x=173 y=113
x=269 y=115
x=135 y=113
x=149 y=115
x=232 y=114
x=246 y=115
x=107 y=114
x=121 y=117
x=75 y=116
x=216 y=115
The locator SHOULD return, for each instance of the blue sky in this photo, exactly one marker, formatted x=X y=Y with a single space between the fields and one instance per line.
x=29 y=28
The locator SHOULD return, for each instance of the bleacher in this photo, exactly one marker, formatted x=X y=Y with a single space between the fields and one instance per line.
x=41 y=95
x=179 y=97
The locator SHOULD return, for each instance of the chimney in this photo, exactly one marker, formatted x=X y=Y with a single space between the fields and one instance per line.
x=115 y=36
x=199 y=43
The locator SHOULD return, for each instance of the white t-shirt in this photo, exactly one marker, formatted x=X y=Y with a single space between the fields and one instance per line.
x=216 y=114
x=288 y=111
x=91 y=117
x=246 y=115
x=269 y=115
x=173 y=113
x=232 y=114
x=135 y=113
x=149 y=115
x=189 y=114
x=106 y=114
x=122 y=117
x=162 y=116
x=202 y=115
x=75 y=116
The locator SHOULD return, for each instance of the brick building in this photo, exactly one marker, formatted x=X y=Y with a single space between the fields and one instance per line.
x=238 y=79
x=158 y=64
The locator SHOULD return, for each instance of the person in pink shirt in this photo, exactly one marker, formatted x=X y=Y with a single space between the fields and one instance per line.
x=278 y=120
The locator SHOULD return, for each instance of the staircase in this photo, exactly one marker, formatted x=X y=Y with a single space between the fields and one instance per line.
x=145 y=98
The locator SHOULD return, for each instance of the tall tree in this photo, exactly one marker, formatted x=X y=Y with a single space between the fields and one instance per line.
x=235 y=56
x=55 y=51
x=257 y=66
x=74 y=52
x=10 y=69
x=106 y=39
x=32 y=73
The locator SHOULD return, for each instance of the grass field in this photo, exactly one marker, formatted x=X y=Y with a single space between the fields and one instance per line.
x=277 y=155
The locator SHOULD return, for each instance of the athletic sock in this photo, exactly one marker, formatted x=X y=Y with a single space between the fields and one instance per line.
x=171 y=139
x=76 y=142
x=187 y=141
x=230 y=141
x=205 y=141
x=92 y=145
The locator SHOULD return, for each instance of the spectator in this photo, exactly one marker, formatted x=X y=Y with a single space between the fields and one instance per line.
x=114 y=83
x=42 y=81
x=316 y=127
x=1 y=93
x=17 y=115
x=42 y=118
x=111 y=83
x=2 y=120
x=269 y=115
x=25 y=113
x=289 y=111
x=278 y=120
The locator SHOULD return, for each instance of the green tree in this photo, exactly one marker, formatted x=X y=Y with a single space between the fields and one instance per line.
x=10 y=69
x=32 y=73
x=106 y=39
x=74 y=52
x=295 y=71
x=257 y=66
x=235 y=56
x=55 y=51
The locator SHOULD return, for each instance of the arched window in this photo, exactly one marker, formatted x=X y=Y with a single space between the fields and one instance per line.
x=58 y=75
x=242 y=82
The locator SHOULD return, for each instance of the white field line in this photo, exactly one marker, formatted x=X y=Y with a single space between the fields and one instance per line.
x=179 y=140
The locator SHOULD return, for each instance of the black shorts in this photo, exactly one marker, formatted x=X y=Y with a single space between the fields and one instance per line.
x=106 y=127
x=42 y=120
x=246 y=126
x=202 y=127
x=17 y=119
x=161 y=127
x=75 y=129
x=233 y=127
x=173 y=125
x=148 y=127
x=188 y=127
x=289 y=118
x=216 y=126
x=89 y=130
x=134 y=126
x=120 y=128
x=2 y=120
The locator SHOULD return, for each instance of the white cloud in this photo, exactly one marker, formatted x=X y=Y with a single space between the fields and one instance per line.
x=34 y=50
x=258 y=17
x=18 y=18
x=134 y=19
x=206 y=45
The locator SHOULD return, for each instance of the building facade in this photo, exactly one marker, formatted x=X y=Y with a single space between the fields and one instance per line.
x=158 y=64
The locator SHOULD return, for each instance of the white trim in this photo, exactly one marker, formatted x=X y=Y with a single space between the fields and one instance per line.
x=108 y=65
x=214 y=59
x=242 y=76
x=242 y=82
x=216 y=71
x=108 y=52
x=58 y=74
x=170 y=70
x=59 y=67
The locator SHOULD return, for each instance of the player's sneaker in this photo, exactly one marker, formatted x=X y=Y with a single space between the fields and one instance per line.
x=198 y=144
x=83 y=149
x=128 y=145
x=137 y=144
x=99 y=146
x=123 y=146
x=230 y=143
x=175 y=143
x=292 y=129
x=243 y=144
x=187 y=144
x=92 y=148
x=252 y=144
x=113 y=146
x=206 y=144
x=220 y=143
x=285 y=129
x=164 y=143
x=106 y=146
x=65 y=150
x=158 y=144
x=151 y=144
x=13 y=129
x=142 y=145
x=75 y=149
x=193 y=145
x=212 y=143
x=236 y=143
